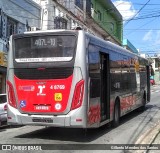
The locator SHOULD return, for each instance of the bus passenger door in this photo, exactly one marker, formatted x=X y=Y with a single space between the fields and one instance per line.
x=105 y=86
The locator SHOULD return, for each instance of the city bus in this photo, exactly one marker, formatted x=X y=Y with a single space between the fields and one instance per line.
x=70 y=78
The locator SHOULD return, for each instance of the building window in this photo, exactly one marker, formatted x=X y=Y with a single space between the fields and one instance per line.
x=99 y=14
x=91 y=5
x=112 y=27
x=156 y=63
x=11 y=27
x=79 y=3
x=60 y=23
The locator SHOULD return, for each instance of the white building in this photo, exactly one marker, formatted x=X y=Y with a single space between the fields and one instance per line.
x=56 y=16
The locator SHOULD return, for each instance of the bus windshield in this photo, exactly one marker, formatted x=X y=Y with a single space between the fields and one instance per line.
x=45 y=48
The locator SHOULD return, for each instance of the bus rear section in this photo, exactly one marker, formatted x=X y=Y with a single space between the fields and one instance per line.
x=43 y=84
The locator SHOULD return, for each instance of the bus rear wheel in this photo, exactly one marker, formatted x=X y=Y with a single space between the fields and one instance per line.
x=142 y=108
x=116 y=115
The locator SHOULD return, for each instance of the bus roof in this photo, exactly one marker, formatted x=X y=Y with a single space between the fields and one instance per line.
x=48 y=31
x=114 y=47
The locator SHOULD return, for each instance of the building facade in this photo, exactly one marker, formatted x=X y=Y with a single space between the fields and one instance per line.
x=105 y=14
x=16 y=16
x=156 y=67
x=128 y=45
x=99 y=17
x=57 y=15
x=154 y=60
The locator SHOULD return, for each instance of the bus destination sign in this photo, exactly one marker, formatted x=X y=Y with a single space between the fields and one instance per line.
x=43 y=42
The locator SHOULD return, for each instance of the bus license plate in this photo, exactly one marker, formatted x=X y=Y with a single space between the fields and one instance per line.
x=42 y=107
x=43 y=120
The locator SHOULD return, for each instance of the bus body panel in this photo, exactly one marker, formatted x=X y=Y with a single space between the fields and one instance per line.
x=131 y=98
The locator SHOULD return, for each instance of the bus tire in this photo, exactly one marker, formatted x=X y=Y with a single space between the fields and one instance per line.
x=116 y=115
x=142 y=108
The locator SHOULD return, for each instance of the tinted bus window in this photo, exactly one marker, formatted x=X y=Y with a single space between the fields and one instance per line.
x=94 y=61
x=44 y=48
x=94 y=71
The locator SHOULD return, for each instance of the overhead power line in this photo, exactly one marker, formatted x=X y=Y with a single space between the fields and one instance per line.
x=146 y=17
x=137 y=12
x=143 y=4
x=142 y=29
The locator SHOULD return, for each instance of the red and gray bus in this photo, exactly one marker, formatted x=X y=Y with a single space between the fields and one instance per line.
x=69 y=78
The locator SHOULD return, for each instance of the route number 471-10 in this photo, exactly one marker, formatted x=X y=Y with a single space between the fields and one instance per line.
x=45 y=42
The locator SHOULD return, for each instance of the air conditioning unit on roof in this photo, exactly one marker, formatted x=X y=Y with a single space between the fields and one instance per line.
x=34 y=28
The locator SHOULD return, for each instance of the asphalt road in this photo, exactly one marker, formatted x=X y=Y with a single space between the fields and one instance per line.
x=131 y=128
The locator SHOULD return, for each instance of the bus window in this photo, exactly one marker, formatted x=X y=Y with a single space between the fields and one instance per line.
x=52 y=48
x=94 y=71
x=125 y=73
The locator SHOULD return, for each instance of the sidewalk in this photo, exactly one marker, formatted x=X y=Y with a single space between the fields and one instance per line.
x=152 y=136
x=157 y=83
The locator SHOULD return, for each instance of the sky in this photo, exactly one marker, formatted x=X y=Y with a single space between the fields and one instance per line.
x=141 y=24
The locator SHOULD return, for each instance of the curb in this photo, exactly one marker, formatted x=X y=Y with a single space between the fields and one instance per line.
x=148 y=137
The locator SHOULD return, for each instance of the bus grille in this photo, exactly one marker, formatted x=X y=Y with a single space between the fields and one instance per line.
x=48 y=73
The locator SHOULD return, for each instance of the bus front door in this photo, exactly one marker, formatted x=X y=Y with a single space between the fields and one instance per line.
x=105 y=86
